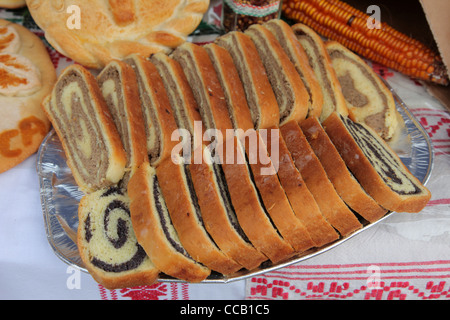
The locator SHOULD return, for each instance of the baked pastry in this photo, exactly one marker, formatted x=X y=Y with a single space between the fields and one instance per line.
x=250 y=209
x=218 y=214
x=287 y=39
x=87 y=132
x=287 y=85
x=331 y=205
x=154 y=230
x=343 y=181
x=368 y=99
x=333 y=99
x=260 y=96
x=205 y=85
x=232 y=87
x=119 y=87
x=107 y=243
x=94 y=32
x=181 y=199
x=156 y=111
x=184 y=106
x=273 y=196
x=376 y=166
x=27 y=76
x=12 y=4
x=300 y=198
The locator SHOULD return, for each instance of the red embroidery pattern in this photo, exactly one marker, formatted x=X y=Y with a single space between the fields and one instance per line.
x=340 y=282
x=437 y=125
x=383 y=71
x=158 y=291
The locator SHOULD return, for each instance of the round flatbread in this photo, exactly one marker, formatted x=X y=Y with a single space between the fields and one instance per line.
x=93 y=32
x=27 y=75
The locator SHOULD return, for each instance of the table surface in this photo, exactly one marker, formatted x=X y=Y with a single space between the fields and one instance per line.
x=406 y=256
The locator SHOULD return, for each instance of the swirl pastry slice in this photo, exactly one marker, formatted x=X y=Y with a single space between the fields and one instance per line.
x=333 y=99
x=155 y=231
x=177 y=188
x=118 y=84
x=260 y=96
x=156 y=110
x=331 y=205
x=376 y=166
x=343 y=180
x=368 y=99
x=287 y=39
x=287 y=85
x=84 y=125
x=107 y=243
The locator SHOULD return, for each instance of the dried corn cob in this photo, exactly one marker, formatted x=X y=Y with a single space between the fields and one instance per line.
x=339 y=21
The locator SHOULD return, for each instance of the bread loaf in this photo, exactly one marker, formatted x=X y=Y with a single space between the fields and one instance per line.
x=89 y=137
x=333 y=99
x=93 y=32
x=376 y=166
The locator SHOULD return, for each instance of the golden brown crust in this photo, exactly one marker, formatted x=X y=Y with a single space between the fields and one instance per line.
x=274 y=197
x=115 y=29
x=232 y=86
x=300 y=198
x=366 y=174
x=329 y=77
x=114 y=143
x=133 y=123
x=268 y=113
x=24 y=124
x=299 y=104
x=209 y=94
x=250 y=212
x=192 y=234
x=162 y=111
x=345 y=184
x=151 y=235
x=286 y=36
x=331 y=205
x=217 y=222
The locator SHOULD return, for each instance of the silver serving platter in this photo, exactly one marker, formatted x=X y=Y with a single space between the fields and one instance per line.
x=60 y=195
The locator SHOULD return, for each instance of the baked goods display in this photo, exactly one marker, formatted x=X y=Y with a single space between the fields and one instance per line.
x=100 y=31
x=368 y=99
x=83 y=122
x=284 y=184
x=107 y=242
x=27 y=75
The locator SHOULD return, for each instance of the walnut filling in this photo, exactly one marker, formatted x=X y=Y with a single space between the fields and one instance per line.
x=174 y=93
x=233 y=47
x=200 y=90
x=280 y=83
x=151 y=119
x=72 y=105
x=318 y=64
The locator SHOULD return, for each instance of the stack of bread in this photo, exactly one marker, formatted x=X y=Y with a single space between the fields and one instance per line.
x=191 y=212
